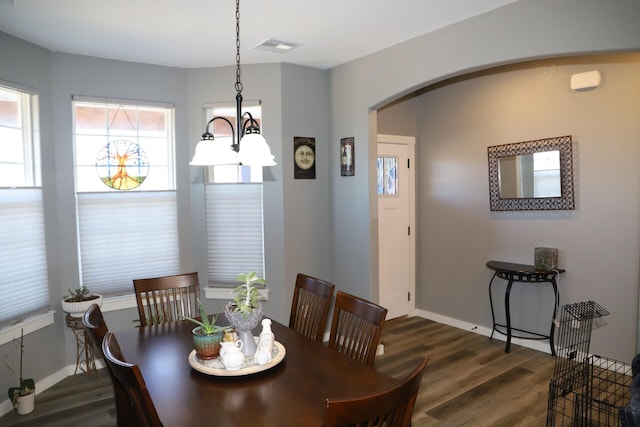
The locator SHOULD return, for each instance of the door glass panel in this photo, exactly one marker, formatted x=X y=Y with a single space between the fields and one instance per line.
x=387 y=178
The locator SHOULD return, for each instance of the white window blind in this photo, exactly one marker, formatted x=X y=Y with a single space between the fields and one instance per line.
x=234 y=231
x=127 y=235
x=24 y=287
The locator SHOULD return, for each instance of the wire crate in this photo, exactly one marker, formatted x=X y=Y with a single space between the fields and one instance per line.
x=586 y=390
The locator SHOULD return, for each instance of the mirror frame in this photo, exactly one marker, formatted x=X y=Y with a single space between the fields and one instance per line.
x=566 y=201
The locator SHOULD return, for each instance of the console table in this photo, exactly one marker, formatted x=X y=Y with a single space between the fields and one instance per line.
x=514 y=273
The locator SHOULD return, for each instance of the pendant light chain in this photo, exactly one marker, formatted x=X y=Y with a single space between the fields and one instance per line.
x=238 y=82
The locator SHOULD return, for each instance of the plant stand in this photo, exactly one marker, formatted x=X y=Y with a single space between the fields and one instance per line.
x=85 y=358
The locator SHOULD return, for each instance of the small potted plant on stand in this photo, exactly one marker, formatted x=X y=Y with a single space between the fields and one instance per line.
x=78 y=301
x=207 y=335
x=245 y=311
x=23 y=397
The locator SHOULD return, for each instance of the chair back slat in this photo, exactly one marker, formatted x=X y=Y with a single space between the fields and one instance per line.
x=392 y=407
x=96 y=328
x=130 y=378
x=356 y=327
x=165 y=299
x=310 y=306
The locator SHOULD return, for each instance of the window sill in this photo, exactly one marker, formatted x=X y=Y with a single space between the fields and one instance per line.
x=123 y=302
x=219 y=292
x=30 y=324
x=119 y=302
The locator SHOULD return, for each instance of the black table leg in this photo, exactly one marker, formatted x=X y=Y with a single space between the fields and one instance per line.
x=555 y=313
x=508 y=314
x=493 y=316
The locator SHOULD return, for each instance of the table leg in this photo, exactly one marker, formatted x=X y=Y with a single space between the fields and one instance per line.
x=555 y=313
x=507 y=312
x=493 y=317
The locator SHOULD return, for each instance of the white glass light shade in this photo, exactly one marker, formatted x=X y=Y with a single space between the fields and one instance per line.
x=213 y=152
x=254 y=151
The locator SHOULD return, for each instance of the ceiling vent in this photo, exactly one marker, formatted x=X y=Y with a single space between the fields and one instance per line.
x=275 y=45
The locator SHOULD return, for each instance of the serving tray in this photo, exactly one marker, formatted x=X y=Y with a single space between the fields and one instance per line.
x=216 y=368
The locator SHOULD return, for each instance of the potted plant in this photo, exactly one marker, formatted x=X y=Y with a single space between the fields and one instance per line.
x=23 y=397
x=207 y=335
x=245 y=311
x=79 y=300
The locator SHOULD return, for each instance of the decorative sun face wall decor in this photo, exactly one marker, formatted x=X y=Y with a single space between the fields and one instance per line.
x=304 y=157
x=122 y=164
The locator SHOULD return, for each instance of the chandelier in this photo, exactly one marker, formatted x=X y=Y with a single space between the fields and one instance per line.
x=248 y=146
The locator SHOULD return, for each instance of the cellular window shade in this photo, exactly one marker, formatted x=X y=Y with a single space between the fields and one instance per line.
x=234 y=231
x=24 y=284
x=125 y=236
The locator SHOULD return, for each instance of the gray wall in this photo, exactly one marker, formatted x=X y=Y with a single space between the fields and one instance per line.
x=510 y=34
x=599 y=242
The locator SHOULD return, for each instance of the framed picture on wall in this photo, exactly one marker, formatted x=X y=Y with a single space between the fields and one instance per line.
x=304 y=157
x=347 y=157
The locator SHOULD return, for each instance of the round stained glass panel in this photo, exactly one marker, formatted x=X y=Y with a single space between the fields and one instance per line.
x=122 y=164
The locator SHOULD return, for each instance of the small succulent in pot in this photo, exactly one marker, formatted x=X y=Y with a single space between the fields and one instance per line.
x=207 y=325
x=81 y=294
x=207 y=335
x=79 y=300
x=245 y=311
x=247 y=298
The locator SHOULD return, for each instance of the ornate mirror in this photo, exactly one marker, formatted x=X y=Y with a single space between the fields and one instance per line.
x=531 y=175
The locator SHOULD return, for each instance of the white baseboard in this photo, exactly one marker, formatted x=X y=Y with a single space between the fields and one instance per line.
x=539 y=345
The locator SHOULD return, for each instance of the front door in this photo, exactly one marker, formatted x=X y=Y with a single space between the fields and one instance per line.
x=395 y=224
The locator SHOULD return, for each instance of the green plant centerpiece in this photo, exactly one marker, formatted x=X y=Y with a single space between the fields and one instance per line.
x=22 y=397
x=207 y=335
x=245 y=311
x=79 y=300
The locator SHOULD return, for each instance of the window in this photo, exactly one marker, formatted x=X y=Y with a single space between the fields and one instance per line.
x=125 y=190
x=24 y=287
x=546 y=174
x=387 y=176
x=233 y=208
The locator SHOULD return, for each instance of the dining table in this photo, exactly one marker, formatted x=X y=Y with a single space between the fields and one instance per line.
x=292 y=392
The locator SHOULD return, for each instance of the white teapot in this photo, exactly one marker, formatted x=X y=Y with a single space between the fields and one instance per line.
x=231 y=355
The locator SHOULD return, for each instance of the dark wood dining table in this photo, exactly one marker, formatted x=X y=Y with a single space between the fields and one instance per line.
x=292 y=393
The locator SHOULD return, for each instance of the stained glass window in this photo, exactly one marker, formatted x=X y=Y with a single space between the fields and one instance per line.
x=125 y=190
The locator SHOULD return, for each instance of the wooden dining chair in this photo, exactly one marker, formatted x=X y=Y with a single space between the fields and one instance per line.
x=96 y=328
x=392 y=407
x=165 y=299
x=356 y=327
x=310 y=306
x=130 y=378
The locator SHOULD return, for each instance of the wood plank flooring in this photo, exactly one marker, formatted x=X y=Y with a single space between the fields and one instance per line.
x=469 y=381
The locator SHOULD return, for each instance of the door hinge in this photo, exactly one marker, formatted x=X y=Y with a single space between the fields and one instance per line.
x=408 y=296
x=408 y=163
x=409 y=231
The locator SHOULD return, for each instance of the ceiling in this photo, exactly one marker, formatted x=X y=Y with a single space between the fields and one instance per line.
x=201 y=33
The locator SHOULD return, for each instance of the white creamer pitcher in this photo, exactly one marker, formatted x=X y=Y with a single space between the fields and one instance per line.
x=231 y=355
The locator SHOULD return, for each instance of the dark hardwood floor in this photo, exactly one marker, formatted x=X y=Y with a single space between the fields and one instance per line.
x=469 y=381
